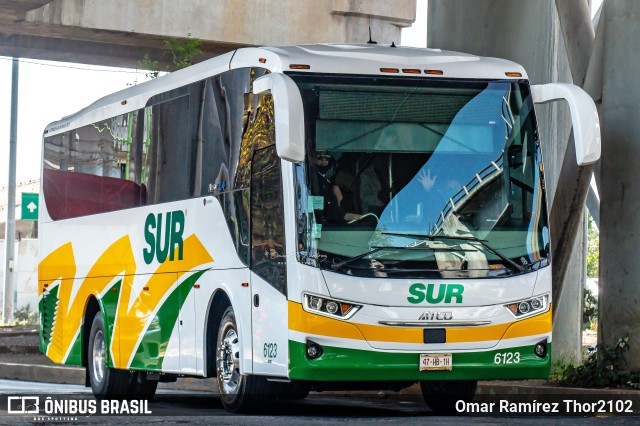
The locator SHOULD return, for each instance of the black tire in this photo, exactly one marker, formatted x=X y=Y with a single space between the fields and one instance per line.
x=141 y=387
x=442 y=395
x=239 y=393
x=106 y=383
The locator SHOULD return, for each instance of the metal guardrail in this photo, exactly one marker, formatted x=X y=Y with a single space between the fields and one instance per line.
x=460 y=198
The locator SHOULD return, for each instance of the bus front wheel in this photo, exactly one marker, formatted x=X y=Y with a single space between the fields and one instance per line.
x=442 y=395
x=239 y=393
x=105 y=382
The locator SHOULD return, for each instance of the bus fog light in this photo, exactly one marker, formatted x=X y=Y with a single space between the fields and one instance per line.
x=314 y=350
x=541 y=349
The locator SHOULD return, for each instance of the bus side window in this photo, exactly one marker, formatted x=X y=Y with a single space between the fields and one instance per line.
x=94 y=169
x=267 y=218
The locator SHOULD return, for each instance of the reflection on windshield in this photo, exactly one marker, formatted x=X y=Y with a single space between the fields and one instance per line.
x=446 y=158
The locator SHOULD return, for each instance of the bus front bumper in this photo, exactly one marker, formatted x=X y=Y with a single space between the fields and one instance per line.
x=342 y=364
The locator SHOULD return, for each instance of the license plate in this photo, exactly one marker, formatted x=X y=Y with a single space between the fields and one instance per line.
x=435 y=362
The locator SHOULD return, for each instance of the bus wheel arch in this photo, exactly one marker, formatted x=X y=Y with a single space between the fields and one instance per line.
x=91 y=309
x=217 y=306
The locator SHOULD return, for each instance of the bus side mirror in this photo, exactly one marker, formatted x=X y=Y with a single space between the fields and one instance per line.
x=584 y=117
x=289 y=117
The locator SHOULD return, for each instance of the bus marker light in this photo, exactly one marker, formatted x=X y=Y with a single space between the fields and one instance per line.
x=433 y=72
x=299 y=67
x=513 y=74
x=262 y=60
x=345 y=308
x=245 y=284
x=114 y=289
x=196 y=286
x=391 y=70
x=411 y=71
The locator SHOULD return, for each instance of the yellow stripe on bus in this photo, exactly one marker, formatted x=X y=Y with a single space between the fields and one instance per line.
x=130 y=323
x=60 y=264
x=118 y=259
x=305 y=322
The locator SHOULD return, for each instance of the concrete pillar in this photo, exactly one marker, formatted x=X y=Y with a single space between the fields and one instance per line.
x=619 y=290
x=528 y=33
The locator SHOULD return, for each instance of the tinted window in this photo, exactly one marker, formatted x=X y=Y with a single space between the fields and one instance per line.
x=267 y=226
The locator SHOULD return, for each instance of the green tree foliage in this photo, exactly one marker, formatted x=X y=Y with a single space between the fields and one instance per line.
x=605 y=367
x=181 y=52
x=590 y=312
x=593 y=249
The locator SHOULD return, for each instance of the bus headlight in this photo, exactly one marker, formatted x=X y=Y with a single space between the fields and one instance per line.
x=529 y=307
x=329 y=307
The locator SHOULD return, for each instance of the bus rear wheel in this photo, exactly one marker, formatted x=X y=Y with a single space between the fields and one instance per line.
x=239 y=393
x=105 y=382
x=442 y=395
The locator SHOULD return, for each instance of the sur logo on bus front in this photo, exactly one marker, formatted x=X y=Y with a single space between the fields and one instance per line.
x=447 y=293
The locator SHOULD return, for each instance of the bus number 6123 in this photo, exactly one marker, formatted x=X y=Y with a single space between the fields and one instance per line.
x=506 y=358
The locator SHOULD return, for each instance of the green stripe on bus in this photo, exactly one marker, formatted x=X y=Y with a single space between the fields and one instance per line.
x=109 y=303
x=340 y=364
x=75 y=354
x=150 y=353
x=47 y=307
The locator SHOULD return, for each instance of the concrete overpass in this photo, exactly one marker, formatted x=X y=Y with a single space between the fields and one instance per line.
x=121 y=32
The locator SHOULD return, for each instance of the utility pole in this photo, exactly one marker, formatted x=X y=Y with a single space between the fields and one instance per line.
x=10 y=234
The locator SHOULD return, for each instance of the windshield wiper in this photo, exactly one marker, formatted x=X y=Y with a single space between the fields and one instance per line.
x=516 y=267
x=375 y=249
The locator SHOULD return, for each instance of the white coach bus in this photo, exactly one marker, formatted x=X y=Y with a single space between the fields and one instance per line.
x=304 y=218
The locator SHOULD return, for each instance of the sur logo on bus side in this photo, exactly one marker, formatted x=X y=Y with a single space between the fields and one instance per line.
x=426 y=293
x=160 y=246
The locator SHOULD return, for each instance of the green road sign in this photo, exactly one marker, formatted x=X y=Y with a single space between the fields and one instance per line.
x=29 y=210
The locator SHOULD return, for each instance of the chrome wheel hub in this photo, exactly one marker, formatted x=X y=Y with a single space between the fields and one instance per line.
x=228 y=359
x=99 y=356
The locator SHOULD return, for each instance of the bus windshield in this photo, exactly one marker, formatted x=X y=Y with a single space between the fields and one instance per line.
x=420 y=177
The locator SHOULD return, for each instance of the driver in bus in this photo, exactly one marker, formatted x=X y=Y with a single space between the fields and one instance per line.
x=324 y=182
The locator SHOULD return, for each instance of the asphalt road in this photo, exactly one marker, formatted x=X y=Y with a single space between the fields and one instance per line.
x=183 y=407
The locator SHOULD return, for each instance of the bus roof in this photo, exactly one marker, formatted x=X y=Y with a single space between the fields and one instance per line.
x=361 y=59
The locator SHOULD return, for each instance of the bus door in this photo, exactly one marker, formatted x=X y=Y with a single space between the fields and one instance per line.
x=268 y=265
